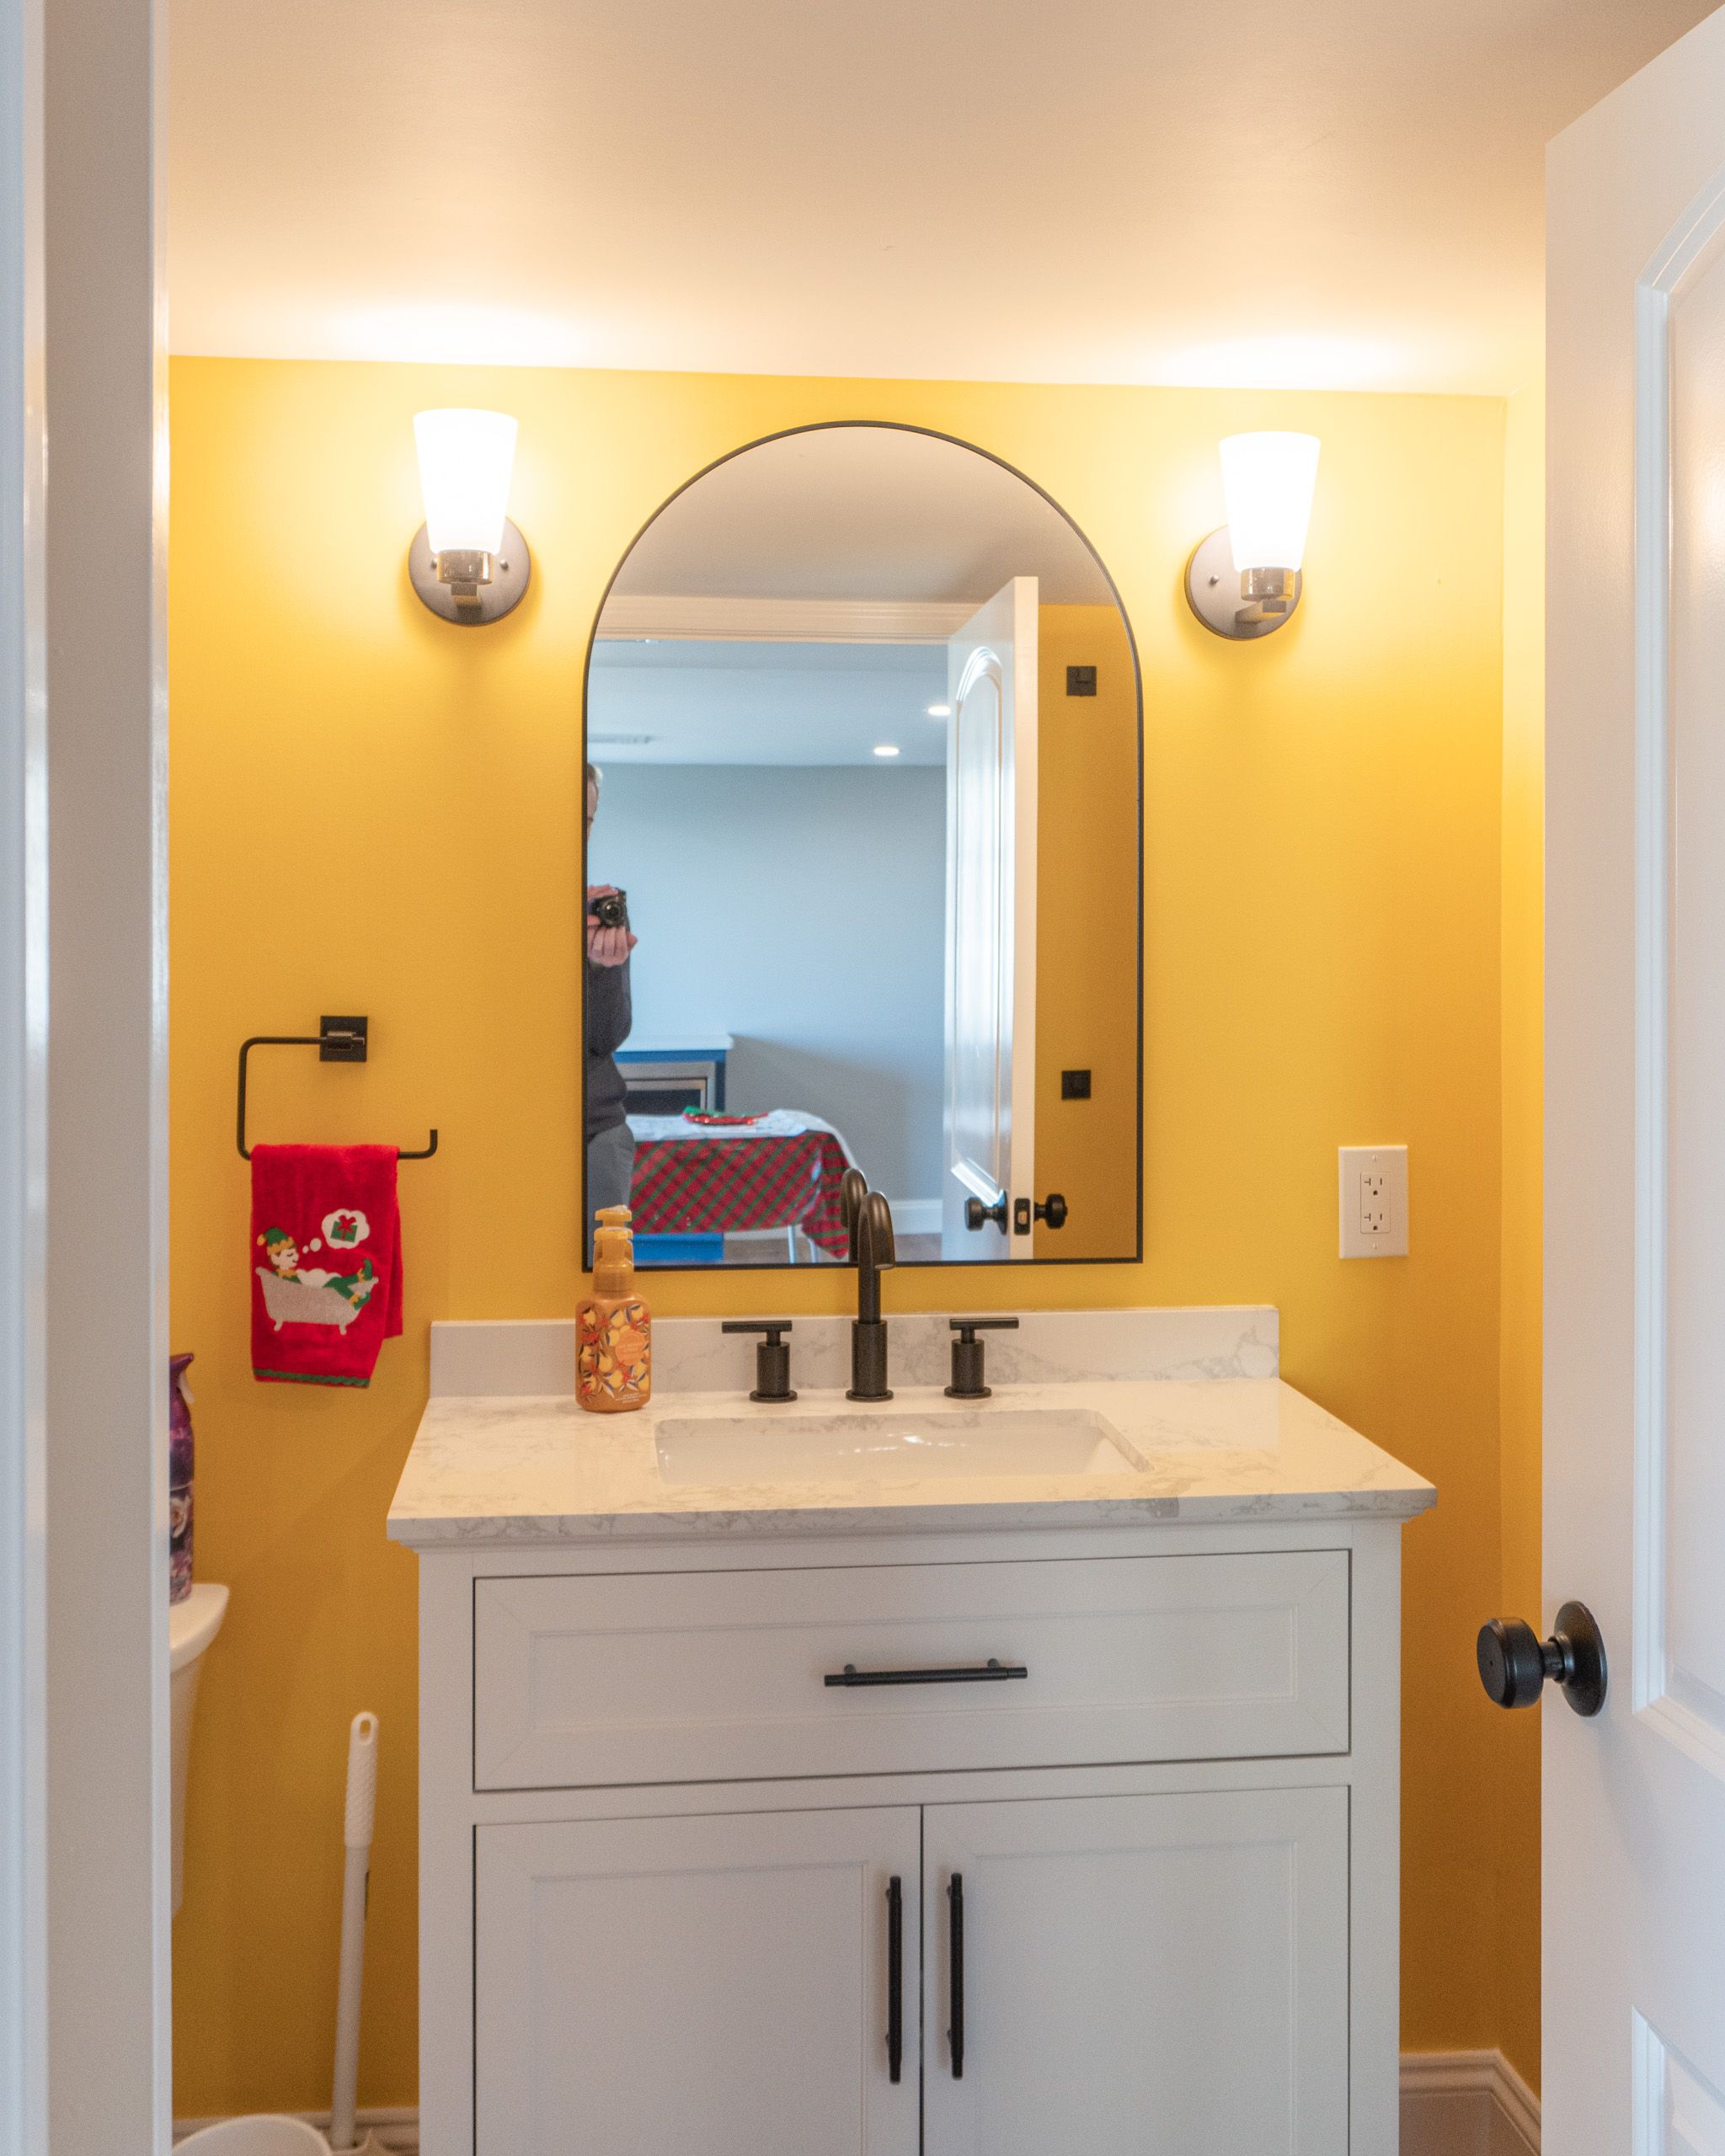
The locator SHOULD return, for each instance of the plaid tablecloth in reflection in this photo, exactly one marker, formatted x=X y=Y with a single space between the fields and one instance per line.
x=694 y=1187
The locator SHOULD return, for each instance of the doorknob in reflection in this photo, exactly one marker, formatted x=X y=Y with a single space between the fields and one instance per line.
x=1514 y=1663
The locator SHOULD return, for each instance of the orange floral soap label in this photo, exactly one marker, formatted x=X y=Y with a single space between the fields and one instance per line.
x=614 y=1355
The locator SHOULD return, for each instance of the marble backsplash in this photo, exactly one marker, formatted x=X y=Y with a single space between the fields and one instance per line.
x=535 y=1357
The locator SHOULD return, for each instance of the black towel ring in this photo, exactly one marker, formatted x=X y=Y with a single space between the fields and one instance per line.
x=337 y=1040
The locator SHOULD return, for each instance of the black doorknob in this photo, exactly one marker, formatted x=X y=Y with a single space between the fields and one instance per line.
x=977 y=1214
x=1053 y=1209
x=1514 y=1663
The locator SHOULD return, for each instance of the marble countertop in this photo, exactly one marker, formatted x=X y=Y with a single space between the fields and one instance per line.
x=495 y=1469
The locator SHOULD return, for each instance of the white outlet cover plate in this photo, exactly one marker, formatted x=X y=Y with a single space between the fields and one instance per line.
x=1373 y=1192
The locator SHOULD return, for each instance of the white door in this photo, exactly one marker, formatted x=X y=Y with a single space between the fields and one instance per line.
x=990 y=1132
x=715 y=1985
x=1634 y=1801
x=1138 y=1973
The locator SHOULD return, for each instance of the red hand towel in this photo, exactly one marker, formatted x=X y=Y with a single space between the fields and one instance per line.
x=326 y=1261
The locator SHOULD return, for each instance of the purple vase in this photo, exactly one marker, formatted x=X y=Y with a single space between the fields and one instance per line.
x=180 y=1481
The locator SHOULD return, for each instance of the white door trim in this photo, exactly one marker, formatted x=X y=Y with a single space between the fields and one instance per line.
x=24 y=955
x=109 y=2068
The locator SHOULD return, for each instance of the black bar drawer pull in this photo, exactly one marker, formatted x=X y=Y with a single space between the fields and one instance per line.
x=990 y=1672
x=895 y=1978
x=955 y=1957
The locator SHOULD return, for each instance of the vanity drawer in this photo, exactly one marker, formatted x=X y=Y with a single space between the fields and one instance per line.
x=581 y=1682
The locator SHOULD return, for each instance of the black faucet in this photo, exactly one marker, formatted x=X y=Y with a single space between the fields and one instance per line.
x=870 y=1220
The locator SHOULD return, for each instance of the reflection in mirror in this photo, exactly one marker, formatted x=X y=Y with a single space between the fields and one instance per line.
x=863 y=865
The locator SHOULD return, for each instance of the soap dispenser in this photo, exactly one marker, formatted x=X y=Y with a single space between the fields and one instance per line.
x=613 y=1326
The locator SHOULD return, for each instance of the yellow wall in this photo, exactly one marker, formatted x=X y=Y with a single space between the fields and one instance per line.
x=1523 y=1121
x=1086 y=930
x=373 y=812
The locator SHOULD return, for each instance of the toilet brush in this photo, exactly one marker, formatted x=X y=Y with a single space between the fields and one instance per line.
x=361 y=1806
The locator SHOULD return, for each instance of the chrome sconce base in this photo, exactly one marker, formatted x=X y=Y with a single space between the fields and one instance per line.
x=471 y=589
x=1238 y=606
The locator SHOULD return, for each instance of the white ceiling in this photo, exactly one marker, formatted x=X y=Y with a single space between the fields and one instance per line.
x=862 y=513
x=1341 y=194
x=766 y=703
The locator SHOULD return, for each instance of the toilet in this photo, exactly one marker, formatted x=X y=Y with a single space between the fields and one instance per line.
x=192 y=1625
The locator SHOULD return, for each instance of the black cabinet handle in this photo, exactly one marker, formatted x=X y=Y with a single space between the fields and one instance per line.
x=991 y=1673
x=894 y=1979
x=955 y=1957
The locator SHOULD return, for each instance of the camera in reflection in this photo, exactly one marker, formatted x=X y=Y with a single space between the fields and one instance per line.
x=613 y=911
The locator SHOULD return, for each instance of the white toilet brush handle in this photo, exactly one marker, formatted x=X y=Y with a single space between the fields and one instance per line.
x=361 y=1806
x=361 y=1782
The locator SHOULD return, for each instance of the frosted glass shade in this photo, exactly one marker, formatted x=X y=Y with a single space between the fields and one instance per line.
x=465 y=458
x=1267 y=482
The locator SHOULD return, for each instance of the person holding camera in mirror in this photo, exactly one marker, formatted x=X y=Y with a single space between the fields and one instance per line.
x=611 y=1143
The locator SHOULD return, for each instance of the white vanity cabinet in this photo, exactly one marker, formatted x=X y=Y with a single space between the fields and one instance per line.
x=1132 y=1973
x=682 y=1893
x=723 y=1983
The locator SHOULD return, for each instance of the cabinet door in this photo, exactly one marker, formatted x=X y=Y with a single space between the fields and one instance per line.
x=715 y=1985
x=1143 y=1976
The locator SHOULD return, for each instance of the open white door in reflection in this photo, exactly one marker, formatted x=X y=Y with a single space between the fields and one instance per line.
x=989 y=1129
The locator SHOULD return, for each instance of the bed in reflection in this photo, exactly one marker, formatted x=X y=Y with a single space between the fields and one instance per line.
x=700 y=1178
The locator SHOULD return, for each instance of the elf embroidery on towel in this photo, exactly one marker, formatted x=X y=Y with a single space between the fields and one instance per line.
x=324 y=1323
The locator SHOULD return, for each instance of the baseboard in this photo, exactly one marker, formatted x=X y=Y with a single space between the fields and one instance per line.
x=396 y=2126
x=916 y=1216
x=1466 y=2104
x=1453 y=2104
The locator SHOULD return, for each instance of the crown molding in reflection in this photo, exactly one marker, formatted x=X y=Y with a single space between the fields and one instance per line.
x=784 y=621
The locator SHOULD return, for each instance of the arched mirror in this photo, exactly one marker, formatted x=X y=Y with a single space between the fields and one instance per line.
x=864 y=789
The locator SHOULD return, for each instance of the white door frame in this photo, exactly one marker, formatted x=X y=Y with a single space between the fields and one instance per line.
x=84 y=1802
x=109 y=1806
x=24 y=957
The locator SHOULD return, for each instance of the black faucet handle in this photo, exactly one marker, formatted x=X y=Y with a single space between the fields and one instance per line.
x=968 y=1352
x=772 y=1358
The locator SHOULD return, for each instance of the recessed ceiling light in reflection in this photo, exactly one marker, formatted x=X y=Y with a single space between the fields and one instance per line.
x=887 y=749
x=940 y=711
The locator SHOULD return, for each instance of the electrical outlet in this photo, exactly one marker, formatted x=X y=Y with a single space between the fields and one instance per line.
x=1373 y=1201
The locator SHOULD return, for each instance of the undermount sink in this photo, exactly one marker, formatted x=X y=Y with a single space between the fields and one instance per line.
x=913 y=1446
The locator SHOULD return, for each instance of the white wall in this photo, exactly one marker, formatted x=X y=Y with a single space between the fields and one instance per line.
x=802 y=911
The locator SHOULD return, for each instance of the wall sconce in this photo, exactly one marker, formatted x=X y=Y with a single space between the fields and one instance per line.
x=1244 y=580
x=467 y=561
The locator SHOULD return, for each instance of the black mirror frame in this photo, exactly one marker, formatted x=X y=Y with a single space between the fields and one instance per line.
x=1135 y=1257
